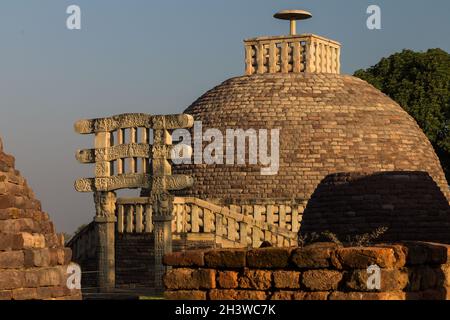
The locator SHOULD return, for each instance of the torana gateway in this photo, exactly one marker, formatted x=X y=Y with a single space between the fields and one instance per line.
x=350 y=160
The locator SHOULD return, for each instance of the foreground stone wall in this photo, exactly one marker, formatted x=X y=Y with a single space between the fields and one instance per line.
x=33 y=260
x=409 y=271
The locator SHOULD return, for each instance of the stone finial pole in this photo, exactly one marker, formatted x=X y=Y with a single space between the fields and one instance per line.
x=293 y=16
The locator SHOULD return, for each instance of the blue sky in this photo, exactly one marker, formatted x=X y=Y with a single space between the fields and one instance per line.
x=155 y=57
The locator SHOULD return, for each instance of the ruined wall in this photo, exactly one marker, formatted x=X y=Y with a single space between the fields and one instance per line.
x=33 y=260
x=409 y=204
x=409 y=271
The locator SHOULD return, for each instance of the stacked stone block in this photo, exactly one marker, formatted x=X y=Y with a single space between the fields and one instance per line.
x=409 y=271
x=33 y=259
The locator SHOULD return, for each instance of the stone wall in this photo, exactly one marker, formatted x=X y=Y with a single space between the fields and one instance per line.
x=323 y=271
x=33 y=259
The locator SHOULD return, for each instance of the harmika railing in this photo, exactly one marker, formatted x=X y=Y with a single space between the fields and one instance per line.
x=292 y=54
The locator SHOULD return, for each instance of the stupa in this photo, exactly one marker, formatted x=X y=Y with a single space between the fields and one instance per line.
x=329 y=124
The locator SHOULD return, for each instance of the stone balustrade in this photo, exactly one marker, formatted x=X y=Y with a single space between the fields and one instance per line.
x=292 y=54
x=233 y=226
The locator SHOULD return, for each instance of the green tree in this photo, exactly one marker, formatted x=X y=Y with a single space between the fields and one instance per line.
x=420 y=83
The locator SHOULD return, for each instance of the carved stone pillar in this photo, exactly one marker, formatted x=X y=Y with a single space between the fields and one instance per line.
x=162 y=219
x=105 y=205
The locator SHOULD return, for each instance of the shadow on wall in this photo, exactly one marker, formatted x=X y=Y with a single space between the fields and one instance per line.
x=410 y=204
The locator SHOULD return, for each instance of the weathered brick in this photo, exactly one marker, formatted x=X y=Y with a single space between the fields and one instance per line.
x=367 y=296
x=5 y=295
x=360 y=258
x=217 y=294
x=11 y=279
x=391 y=280
x=51 y=277
x=227 y=279
x=321 y=280
x=237 y=295
x=50 y=292
x=225 y=258
x=11 y=260
x=11 y=213
x=37 y=258
x=312 y=257
x=255 y=279
x=315 y=296
x=182 y=278
x=185 y=295
x=192 y=258
x=19 y=225
x=268 y=258
x=24 y=294
x=286 y=279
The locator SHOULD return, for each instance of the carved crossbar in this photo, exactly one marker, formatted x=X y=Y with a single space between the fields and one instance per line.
x=155 y=171
x=133 y=181
x=134 y=120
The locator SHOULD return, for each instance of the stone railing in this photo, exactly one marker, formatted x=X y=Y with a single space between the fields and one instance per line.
x=292 y=54
x=84 y=243
x=231 y=228
x=408 y=271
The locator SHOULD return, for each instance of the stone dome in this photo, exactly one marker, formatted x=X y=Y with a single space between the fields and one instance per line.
x=329 y=123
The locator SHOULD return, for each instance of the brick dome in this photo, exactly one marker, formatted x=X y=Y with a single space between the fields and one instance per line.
x=329 y=123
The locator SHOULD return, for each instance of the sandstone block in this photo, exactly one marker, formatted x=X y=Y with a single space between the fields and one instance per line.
x=19 y=225
x=367 y=296
x=268 y=258
x=286 y=279
x=255 y=279
x=185 y=295
x=11 y=260
x=50 y=292
x=227 y=279
x=11 y=279
x=182 y=278
x=312 y=258
x=391 y=280
x=24 y=294
x=5 y=295
x=321 y=280
x=361 y=258
x=193 y=258
x=314 y=296
x=51 y=277
x=237 y=295
x=225 y=258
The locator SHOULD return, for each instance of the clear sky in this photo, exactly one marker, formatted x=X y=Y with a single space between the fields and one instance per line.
x=155 y=56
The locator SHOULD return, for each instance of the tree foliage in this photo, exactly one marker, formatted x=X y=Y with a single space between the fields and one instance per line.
x=420 y=83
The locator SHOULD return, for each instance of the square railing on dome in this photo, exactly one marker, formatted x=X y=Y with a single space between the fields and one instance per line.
x=292 y=54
